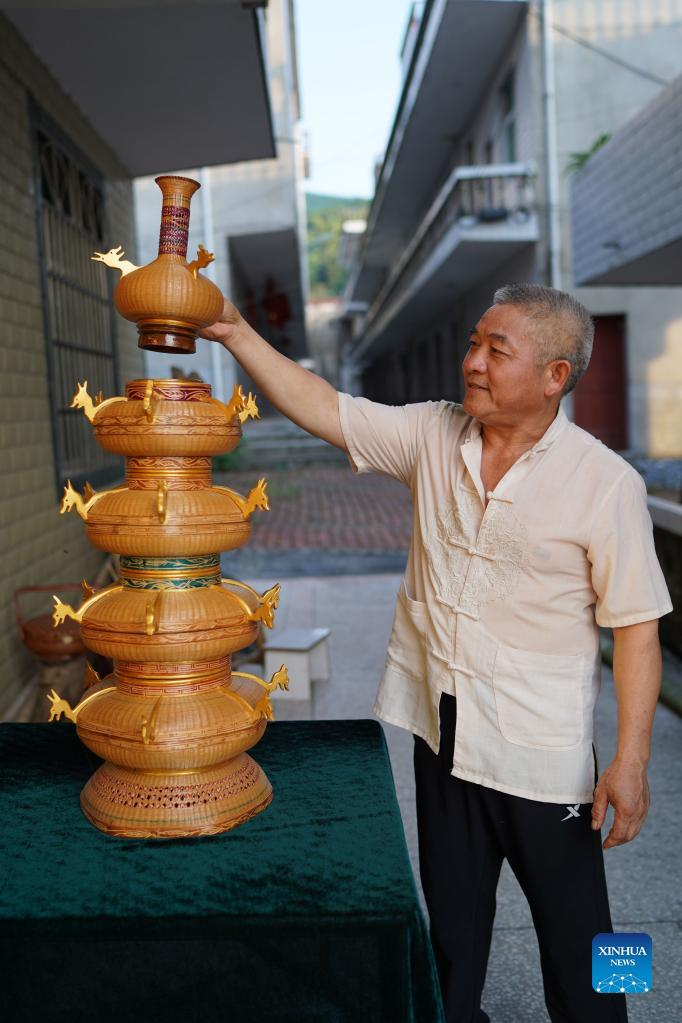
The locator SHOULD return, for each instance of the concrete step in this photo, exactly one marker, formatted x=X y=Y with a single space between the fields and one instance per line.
x=275 y=442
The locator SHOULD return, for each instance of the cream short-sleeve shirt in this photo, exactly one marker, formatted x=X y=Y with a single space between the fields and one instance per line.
x=504 y=592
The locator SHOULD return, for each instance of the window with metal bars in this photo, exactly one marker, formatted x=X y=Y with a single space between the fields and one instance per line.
x=77 y=300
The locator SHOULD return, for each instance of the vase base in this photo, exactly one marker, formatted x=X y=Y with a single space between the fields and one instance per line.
x=167 y=337
x=143 y=804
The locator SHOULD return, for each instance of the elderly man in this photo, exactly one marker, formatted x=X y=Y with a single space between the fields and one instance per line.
x=528 y=534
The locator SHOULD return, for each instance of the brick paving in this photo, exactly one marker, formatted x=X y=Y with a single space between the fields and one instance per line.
x=315 y=507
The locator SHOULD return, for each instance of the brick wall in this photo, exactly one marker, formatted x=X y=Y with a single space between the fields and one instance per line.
x=38 y=545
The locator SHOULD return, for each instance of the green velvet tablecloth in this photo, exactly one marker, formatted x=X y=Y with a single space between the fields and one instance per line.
x=308 y=912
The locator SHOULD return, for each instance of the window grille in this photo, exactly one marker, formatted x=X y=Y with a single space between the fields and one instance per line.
x=77 y=301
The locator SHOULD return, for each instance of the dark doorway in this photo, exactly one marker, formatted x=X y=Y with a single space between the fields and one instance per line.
x=600 y=399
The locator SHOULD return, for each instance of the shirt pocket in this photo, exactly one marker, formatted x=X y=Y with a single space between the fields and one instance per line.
x=407 y=649
x=539 y=698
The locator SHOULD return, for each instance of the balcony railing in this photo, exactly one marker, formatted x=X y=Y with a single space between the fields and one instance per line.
x=472 y=197
x=411 y=32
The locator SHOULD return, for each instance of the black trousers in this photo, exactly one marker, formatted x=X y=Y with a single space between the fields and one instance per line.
x=465 y=832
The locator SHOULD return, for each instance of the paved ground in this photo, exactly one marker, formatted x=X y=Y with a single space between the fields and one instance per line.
x=643 y=877
x=323 y=520
x=663 y=476
x=327 y=508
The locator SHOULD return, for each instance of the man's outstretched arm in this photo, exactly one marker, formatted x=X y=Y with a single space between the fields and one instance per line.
x=302 y=396
x=637 y=678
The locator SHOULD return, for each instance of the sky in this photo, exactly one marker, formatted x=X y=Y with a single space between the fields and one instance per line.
x=350 y=78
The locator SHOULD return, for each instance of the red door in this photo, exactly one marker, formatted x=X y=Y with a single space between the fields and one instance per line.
x=599 y=400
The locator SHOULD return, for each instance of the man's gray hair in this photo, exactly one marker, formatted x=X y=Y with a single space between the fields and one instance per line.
x=564 y=328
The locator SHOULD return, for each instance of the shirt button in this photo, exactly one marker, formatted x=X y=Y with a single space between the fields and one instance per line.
x=489 y=494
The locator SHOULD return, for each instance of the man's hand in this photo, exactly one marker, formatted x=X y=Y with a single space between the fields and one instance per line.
x=637 y=681
x=224 y=329
x=298 y=394
x=624 y=785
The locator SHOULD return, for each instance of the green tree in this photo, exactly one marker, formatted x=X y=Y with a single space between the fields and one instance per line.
x=325 y=215
x=577 y=161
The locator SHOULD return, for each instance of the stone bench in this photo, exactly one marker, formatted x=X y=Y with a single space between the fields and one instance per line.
x=305 y=653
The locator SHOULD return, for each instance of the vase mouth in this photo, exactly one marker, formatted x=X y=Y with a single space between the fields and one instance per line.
x=135 y=389
x=177 y=177
x=165 y=381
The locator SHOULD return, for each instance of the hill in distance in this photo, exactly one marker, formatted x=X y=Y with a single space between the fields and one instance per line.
x=315 y=203
x=325 y=216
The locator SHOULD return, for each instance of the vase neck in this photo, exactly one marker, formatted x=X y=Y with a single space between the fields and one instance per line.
x=177 y=195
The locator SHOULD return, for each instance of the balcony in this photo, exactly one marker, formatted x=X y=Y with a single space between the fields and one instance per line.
x=454 y=52
x=482 y=216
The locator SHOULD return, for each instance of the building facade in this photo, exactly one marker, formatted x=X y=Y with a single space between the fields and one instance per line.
x=61 y=185
x=631 y=396
x=251 y=215
x=456 y=203
x=627 y=238
x=474 y=193
x=66 y=167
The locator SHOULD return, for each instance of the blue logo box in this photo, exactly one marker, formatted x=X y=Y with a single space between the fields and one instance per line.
x=621 y=963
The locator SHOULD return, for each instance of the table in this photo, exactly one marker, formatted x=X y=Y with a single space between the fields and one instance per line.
x=306 y=913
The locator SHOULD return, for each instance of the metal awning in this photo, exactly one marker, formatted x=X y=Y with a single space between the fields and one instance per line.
x=167 y=84
x=626 y=203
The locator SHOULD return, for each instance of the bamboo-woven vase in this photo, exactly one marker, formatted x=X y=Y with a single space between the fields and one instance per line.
x=168 y=299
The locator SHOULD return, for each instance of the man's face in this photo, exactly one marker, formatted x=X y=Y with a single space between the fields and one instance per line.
x=503 y=381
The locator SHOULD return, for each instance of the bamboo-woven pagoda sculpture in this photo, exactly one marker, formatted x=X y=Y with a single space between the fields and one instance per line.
x=173 y=722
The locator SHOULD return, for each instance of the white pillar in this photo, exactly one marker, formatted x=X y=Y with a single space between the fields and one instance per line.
x=550 y=138
x=223 y=371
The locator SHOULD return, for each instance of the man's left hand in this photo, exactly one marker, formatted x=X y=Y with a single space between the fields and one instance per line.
x=624 y=785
